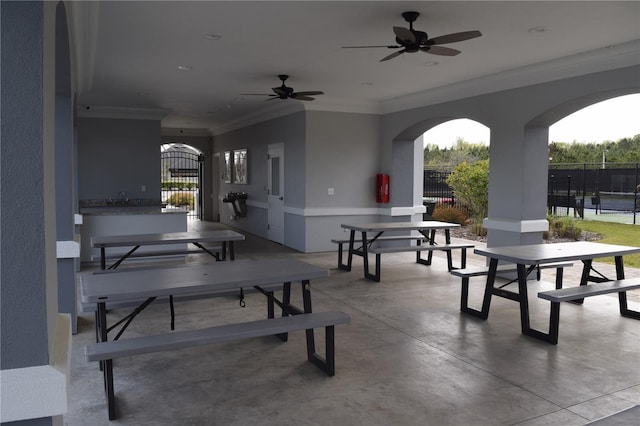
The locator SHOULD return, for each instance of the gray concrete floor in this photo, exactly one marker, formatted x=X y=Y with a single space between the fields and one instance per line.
x=409 y=357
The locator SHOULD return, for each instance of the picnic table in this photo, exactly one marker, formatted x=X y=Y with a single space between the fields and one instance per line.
x=373 y=232
x=527 y=257
x=198 y=238
x=207 y=280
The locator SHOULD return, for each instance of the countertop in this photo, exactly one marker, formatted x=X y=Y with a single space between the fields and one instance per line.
x=129 y=210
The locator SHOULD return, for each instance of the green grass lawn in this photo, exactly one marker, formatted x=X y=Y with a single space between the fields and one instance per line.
x=615 y=233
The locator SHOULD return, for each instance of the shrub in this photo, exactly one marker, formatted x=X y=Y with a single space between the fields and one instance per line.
x=180 y=199
x=449 y=214
x=574 y=233
x=478 y=229
x=470 y=184
x=173 y=184
x=563 y=228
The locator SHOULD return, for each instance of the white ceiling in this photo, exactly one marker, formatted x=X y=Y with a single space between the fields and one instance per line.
x=128 y=53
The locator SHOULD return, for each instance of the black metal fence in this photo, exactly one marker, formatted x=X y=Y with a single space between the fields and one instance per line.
x=612 y=187
x=435 y=185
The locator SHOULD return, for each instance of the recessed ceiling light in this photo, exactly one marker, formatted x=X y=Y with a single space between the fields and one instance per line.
x=185 y=67
x=212 y=36
x=537 y=29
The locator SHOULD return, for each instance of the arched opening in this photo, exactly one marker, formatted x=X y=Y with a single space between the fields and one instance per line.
x=594 y=156
x=408 y=162
x=182 y=178
x=446 y=135
x=445 y=146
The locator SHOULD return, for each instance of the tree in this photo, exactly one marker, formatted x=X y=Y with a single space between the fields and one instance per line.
x=470 y=185
x=625 y=150
x=448 y=158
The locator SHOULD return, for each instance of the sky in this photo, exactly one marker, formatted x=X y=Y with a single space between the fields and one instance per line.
x=612 y=119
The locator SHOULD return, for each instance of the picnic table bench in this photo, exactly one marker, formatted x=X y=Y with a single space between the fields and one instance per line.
x=578 y=293
x=203 y=240
x=170 y=252
x=342 y=242
x=478 y=271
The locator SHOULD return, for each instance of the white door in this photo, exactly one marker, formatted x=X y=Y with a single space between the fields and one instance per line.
x=275 y=190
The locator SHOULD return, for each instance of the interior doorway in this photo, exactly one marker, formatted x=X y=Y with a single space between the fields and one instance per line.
x=182 y=178
x=275 y=191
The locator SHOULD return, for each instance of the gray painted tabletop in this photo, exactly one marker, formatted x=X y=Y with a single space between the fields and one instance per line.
x=557 y=252
x=196 y=279
x=400 y=226
x=165 y=238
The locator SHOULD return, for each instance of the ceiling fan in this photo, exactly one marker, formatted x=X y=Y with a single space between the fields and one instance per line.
x=284 y=92
x=410 y=40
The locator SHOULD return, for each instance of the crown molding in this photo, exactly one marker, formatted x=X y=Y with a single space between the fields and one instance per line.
x=341 y=105
x=183 y=131
x=603 y=59
x=267 y=113
x=290 y=107
x=606 y=58
x=123 y=112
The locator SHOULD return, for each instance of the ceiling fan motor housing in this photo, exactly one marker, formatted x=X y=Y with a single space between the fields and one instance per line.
x=410 y=16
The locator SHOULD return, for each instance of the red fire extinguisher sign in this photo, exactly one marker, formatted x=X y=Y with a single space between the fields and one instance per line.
x=382 y=188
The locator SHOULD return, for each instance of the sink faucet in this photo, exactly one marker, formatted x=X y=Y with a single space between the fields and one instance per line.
x=123 y=198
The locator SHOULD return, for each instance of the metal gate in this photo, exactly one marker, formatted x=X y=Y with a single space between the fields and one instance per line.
x=182 y=172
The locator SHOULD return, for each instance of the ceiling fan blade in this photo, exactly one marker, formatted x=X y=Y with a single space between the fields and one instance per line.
x=404 y=34
x=393 y=55
x=367 y=47
x=312 y=93
x=301 y=98
x=440 y=50
x=455 y=37
x=280 y=91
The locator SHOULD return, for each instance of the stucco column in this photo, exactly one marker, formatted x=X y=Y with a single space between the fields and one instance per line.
x=517 y=185
x=406 y=180
x=35 y=340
